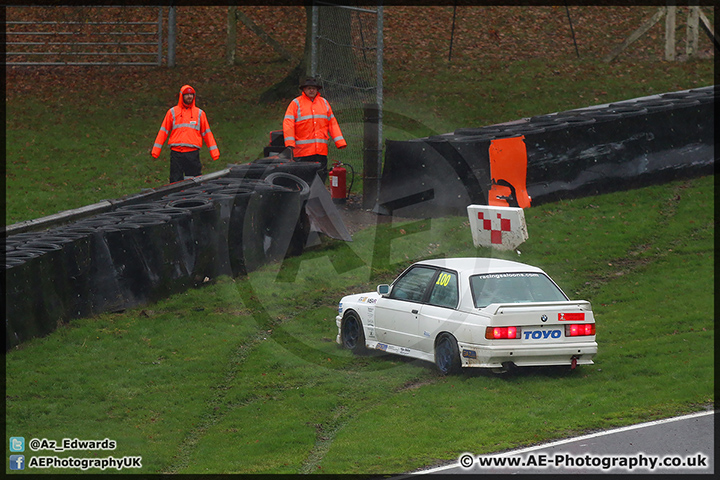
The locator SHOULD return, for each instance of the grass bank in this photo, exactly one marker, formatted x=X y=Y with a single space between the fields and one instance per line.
x=97 y=145
x=243 y=375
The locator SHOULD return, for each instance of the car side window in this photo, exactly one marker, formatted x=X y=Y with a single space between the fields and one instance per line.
x=445 y=290
x=413 y=285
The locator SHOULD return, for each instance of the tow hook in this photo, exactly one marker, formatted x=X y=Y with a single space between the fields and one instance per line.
x=573 y=362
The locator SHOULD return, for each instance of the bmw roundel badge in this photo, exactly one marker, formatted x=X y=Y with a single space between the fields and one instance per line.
x=544 y=318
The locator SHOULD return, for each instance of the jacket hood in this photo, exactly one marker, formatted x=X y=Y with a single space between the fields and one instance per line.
x=181 y=104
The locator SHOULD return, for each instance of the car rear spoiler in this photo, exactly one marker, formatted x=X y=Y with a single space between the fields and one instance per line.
x=495 y=308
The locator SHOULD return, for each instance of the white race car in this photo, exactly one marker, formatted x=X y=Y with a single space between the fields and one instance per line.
x=471 y=312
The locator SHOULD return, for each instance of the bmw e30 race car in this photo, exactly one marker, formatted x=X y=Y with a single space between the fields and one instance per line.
x=471 y=312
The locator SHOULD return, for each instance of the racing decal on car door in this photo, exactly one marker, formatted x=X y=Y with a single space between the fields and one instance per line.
x=393 y=349
x=370 y=321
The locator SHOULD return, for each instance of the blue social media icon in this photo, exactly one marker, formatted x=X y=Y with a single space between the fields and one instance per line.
x=17 y=444
x=17 y=462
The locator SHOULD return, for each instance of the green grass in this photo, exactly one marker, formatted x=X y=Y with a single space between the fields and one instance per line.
x=467 y=95
x=100 y=149
x=243 y=375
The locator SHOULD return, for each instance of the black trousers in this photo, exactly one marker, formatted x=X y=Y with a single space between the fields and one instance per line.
x=184 y=164
x=322 y=159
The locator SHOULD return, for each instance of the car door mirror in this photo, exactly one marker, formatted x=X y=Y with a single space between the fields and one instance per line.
x=383 y=289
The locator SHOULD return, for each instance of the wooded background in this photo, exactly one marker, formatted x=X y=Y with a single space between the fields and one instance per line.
x=417 y=40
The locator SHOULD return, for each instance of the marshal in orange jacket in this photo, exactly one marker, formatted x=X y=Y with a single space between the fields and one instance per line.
x=309 y=125
x=187 y=126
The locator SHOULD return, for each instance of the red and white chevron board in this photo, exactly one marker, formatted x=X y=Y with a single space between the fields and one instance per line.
x=502 y=228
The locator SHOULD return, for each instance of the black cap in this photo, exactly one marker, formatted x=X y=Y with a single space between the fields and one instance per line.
x=310 y=82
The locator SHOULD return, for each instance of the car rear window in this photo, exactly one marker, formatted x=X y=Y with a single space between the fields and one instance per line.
x=513 y=288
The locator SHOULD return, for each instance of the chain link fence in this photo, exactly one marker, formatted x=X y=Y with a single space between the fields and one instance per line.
x=346 y=56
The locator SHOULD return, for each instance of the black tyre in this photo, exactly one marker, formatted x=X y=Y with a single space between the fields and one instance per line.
x=352 y=334
x=447 y=355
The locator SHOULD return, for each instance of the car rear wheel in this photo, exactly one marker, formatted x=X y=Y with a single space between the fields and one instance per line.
x=353 y=337
x=447 y=355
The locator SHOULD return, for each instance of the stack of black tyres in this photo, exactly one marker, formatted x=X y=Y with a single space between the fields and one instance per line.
x=292 y=227
x=264 y=167
x=240 y=192
x=270 y=220
x=144 y=252
x=30 y=305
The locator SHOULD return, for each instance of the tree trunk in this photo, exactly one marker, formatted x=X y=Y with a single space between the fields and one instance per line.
x=257 y=30
x=288 y=88
x=231 y=35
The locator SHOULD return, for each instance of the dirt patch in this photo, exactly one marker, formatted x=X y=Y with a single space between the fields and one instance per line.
x=354 y=216
x=357 y=218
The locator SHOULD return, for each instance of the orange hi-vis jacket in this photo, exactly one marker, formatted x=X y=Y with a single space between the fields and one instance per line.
x=309 y=125
x=187 y=126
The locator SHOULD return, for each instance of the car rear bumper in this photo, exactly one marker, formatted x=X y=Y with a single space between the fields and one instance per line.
x=493 y=356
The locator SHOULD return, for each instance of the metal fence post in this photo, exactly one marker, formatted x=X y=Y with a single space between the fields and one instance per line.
x=371 y=170
x=313 y=43
x=380 y=72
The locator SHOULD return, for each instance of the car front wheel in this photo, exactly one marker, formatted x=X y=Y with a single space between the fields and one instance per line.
x=447 y=355
x=353 y=337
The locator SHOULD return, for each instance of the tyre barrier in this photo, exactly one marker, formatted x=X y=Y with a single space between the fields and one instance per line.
x=76 y=246
x=204 y=216
x=293 y=182
x=126 y=270
x=33 y=306
x=20 y=298
x=241 y=194
x=264 y=235
x=55 y=284
x=178 y=247
x=143 y=252
x=292 y=213
x=151 y=245
x=573 y=153
x=223 y=204
x=260 y=169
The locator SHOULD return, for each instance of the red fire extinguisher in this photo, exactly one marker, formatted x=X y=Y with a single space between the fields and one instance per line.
x=338 y=180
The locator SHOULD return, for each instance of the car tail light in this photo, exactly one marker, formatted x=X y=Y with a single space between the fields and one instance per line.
x=497 y=333
x=580 y=330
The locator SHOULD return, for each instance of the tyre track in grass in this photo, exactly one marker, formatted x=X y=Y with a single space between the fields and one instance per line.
x=343 y=415
x=636 y=259
x=218 y=408
x=325 y=434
